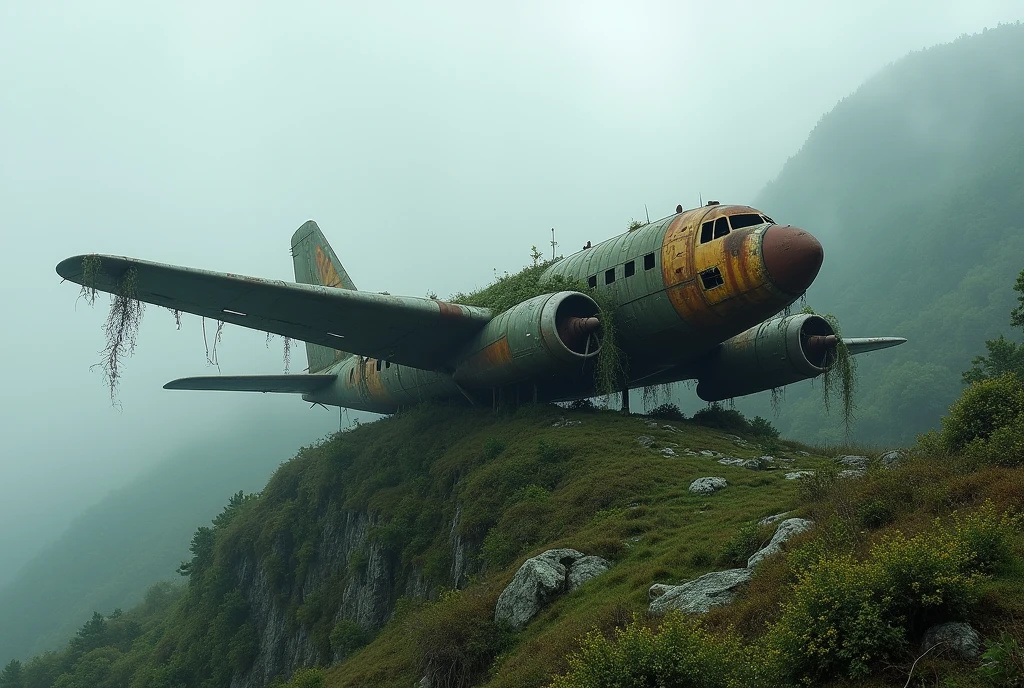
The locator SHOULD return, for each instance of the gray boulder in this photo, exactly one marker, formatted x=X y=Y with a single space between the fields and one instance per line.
x=699 y=595
x=668 y=451
x=708 y=452
x=786 y=530
x=542 y=578
x=797 y=475
x=645 y=440
x=851 y=461
x=956 y=636
x=585 y=568
x=537 y=581
x=768 y=520
x=891 y=458
x=706 y=486
x=852 y=473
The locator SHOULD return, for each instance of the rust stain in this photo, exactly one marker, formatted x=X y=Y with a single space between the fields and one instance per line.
x=325 y=268
x=449 y=310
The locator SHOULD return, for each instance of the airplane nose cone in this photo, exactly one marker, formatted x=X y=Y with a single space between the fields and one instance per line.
x=791 y=256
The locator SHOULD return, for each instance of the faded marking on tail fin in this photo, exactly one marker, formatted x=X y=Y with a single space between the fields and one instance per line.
x=316 y=263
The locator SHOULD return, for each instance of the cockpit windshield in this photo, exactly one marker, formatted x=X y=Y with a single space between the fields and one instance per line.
x=715 y=229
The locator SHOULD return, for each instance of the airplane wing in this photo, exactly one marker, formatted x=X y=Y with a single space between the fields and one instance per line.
x=862 y=345
x=412 y=331
x=286 y=384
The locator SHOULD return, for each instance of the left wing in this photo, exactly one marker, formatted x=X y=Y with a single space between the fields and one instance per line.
x=418 y=332
x=285 y=384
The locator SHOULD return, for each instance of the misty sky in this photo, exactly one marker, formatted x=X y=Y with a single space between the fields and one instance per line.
x=433 y=146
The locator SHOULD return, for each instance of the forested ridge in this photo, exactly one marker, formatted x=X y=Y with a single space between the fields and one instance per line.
x=914 y=185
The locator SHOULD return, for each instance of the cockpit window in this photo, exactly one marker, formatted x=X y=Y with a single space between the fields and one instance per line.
x=768 y=220
x=705 y=231
x=721 y=227
x=745 y=220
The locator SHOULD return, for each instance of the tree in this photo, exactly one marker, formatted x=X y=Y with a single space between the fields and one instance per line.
x=1003 y=356
x=11 y=676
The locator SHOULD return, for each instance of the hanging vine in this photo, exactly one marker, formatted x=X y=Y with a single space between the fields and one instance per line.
x=840 y=378
x=122 y=327
x=91 y=266
x=287 y=354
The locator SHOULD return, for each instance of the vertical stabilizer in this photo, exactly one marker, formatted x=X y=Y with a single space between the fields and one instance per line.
x=316 y=263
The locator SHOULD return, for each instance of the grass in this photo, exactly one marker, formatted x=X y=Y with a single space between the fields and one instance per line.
x=606 y=495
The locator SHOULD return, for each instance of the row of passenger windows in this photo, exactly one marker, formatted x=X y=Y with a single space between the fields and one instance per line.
x=380 y=364
x=628 y=270
x=714 y=229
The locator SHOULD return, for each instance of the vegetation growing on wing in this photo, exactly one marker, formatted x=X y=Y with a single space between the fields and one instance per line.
x=121 y=329
x=839 y=380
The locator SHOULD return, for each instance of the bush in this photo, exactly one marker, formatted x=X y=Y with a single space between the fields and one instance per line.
x=458 y=638
x=844 y=615
x=682 y=653
x=1002 y=663
x=983 y=408
x=745 y=542
x=763 y=428
x=347 y=637
x=667 y=411
x=715 y=416
x=493 y=446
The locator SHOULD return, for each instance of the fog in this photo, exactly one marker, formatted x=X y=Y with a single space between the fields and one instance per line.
x=433 y=145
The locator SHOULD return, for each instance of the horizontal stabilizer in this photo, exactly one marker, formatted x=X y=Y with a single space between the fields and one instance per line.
x=862 y=345
x=286 y=384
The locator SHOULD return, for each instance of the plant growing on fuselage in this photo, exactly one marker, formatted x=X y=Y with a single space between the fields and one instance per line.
x=840 y=377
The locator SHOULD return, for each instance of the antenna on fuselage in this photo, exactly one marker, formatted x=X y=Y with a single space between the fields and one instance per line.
x=553 y=243
x=647 y=213
x=700 y=200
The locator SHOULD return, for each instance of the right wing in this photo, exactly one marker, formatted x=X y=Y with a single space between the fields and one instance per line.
x=417 y=332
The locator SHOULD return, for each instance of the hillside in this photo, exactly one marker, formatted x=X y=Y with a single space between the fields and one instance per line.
x=915 y=186
x=352 y=538
x=138 y=534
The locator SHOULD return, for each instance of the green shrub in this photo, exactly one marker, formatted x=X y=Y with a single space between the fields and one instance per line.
x=682 y=653
x=715 y=416
x=458 y=638
x=667 y=411
x=306 y=678
x=1002 y=663
x=763 y=428
x=844 y=616
x=874 y=513
x=347 y=636
x=747 y=540
x=981 y=410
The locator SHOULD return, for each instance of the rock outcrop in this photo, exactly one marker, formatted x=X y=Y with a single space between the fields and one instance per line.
x=958 y=637
x=542 y=578
x=699 y=595
x=720 y=587
x=706 y=486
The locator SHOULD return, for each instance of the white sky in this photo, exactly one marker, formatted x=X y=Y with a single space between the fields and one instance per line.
x=433 y=143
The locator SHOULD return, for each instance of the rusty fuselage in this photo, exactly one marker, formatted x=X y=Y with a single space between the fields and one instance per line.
x=681 y=286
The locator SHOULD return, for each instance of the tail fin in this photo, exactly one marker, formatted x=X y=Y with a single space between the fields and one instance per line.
x=316 y=263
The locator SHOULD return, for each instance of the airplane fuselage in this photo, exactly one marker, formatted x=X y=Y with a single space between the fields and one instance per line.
x=681 y=286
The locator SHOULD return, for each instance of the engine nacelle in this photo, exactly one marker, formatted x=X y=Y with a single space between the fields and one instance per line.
x=775 y=353
x=547 y=336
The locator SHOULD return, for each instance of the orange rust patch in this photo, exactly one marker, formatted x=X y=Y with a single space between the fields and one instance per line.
x=325 y=268
x=496 y=354
x=449 y=310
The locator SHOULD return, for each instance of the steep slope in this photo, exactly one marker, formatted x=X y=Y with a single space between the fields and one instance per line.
x=138 y=534
x=915 y=186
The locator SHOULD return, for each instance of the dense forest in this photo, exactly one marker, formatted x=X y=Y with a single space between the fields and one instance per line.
x=914 y=185
x=138 y=534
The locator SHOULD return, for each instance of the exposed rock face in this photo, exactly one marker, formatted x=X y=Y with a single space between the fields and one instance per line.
x=540 y=579
x=668 y=451
x=958 y=637
x=768 y=520
x=706 y=486
x=786 y=530
x=852 y=473
x=699 y=595
x=368 y=597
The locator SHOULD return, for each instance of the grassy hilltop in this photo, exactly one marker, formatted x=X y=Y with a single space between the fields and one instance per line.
x=877 y=568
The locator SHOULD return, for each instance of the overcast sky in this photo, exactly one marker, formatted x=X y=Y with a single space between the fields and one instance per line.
x=433 y=144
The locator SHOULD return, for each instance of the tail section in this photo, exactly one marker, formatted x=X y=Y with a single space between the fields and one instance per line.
x=316 y=263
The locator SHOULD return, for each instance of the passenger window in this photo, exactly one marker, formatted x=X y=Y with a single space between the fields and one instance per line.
x=711 y=278
x=609 y=276
x=629 y=269
x=387 y=364
x=721 y=227
x=352 y=375
x=649 y=261
x=705 y=231
x=378 y=364
x=592 y=281
x=745 y=220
